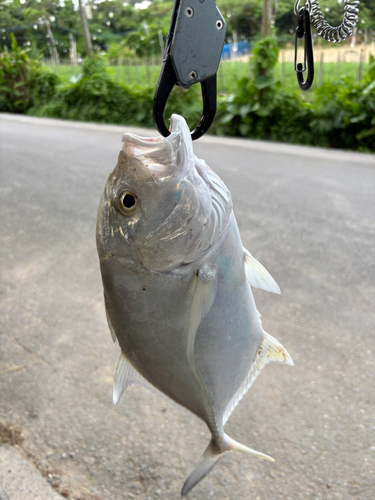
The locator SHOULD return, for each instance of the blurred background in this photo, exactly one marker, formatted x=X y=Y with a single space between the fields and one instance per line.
x=100 y=60
x=308 y=214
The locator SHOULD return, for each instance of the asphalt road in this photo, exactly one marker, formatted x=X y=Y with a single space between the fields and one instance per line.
x=308 y=215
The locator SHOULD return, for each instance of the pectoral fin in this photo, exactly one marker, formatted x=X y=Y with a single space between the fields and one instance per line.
x=257 y=275
x=204 y=296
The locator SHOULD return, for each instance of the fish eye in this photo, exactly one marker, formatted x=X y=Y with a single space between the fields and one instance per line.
x=127 y=202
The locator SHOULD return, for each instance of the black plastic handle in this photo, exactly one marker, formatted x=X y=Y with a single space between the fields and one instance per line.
x=165 y=86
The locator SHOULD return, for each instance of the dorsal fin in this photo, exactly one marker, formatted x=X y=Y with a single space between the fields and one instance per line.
x=270 y=350
x=257 y=275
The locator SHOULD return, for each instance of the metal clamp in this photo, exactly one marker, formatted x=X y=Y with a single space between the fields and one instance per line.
x=192 y=55
x=303 y=30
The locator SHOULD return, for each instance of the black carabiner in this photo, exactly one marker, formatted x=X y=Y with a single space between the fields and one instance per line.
x=167 y=81
x=192 y=55
x=304 y=30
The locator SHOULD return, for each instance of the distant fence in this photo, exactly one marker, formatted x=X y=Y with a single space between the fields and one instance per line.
x=348 y=61
x=342 y=53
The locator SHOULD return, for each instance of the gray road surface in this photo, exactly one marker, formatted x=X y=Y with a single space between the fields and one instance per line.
x=308 y=215
x=19 y=480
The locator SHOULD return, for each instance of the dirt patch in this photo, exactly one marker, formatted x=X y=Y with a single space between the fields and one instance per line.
x=9 y=434
x=13 y=435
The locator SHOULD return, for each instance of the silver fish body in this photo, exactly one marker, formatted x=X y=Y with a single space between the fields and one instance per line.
x=177 y=282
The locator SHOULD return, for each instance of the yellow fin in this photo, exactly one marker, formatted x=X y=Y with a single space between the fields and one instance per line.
x=270 y=350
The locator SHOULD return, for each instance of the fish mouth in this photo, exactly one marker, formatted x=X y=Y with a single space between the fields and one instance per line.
x=136 y=146
x=161 y=154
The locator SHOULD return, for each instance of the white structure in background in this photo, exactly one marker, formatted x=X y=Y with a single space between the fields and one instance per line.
x=88 y=11
x=142 y=5
x=234 y=47
x=352 y=43
x=73 y=50
x=52 y=42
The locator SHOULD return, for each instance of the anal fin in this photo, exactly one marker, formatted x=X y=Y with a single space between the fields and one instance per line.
x=270 y=350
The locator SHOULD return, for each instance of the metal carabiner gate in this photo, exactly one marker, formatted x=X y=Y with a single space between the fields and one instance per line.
x=303 y=30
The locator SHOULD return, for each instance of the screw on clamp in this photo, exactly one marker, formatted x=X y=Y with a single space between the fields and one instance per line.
x=192 y=55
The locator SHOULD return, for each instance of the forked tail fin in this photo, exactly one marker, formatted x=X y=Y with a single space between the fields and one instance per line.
x=203 y=467
x=211 y=456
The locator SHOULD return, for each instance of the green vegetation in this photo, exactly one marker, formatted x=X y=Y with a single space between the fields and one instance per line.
x=16 y=71
x=261 y=109
x=342 y=116
x=141 y=75
x=339 y=114
x=124 y=30
x=97 y=96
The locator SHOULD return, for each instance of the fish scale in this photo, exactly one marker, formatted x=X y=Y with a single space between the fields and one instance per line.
x=177 y=286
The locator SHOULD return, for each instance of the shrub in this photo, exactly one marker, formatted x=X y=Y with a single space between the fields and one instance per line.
x=260 y=108
x=43 y=86
x=345 y=113
x=97 y=97
x=342 y=116
x=16 y=71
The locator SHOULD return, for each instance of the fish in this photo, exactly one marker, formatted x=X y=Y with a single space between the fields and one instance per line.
x=177 y=286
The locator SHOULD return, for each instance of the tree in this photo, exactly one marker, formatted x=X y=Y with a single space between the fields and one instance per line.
x=85 y=29
x=266 y=18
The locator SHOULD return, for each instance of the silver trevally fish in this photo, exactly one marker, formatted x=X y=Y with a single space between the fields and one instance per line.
x=176 y=284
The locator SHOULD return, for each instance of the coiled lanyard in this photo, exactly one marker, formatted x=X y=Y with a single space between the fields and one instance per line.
x=311 y=13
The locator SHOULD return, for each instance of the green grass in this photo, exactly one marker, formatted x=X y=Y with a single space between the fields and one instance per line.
x=228 y=74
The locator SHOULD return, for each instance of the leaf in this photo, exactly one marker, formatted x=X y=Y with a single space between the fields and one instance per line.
x=368 y=89
x=358 y=118
x=244 y=129
x=263 y=82
x=245 y=109
x=233 y=108
x=255 y=106
x=365 y=133
x=228 y=117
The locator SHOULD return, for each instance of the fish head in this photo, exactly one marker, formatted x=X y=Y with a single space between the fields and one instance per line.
x=156 y=203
